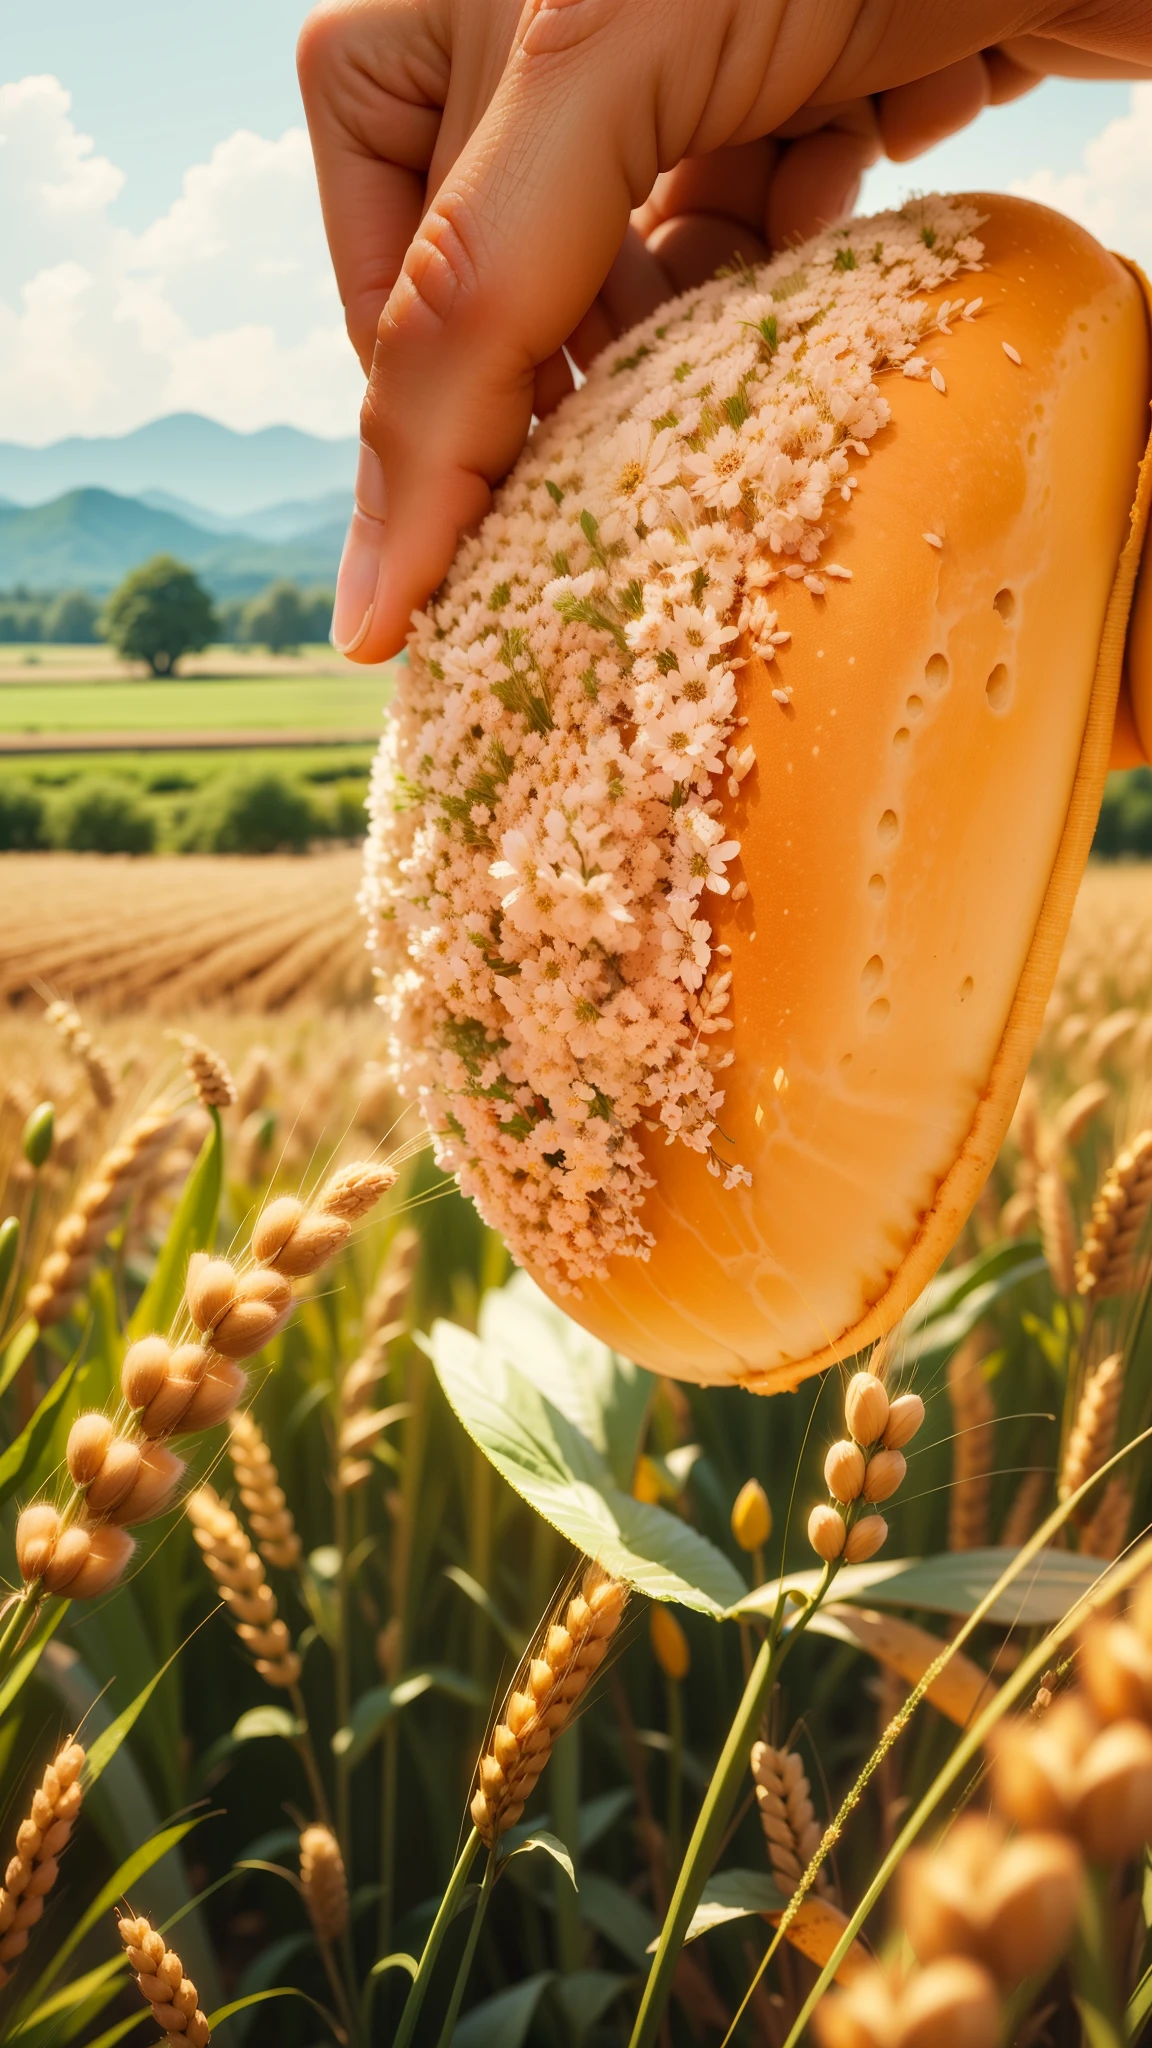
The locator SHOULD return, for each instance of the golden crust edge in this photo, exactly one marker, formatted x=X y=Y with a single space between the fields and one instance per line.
x=964 y=1179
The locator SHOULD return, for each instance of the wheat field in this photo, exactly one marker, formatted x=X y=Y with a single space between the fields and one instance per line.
x=169 y=936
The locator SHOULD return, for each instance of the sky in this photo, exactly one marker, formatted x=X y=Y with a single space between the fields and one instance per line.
x=162 y=247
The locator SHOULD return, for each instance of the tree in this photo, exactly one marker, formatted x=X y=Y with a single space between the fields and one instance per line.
x=160 y=612
x=278 y=619
x=70 y=620
x=254 y=811
x=105 y=817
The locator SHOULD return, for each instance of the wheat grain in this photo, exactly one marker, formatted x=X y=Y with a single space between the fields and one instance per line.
x=262 y=1494
x=256 y=1079
x=162 y=1984
x=1093 y=1433
x=244 y=1587
x=1057 y=1228
x=1104 y=1263
x=973 y=1447
x=80 y=1238
x=324 y=1881
x=296 y=1240
x=533 y=1718
x=40 y=1841
x=207 y=1072
x=787 y=1815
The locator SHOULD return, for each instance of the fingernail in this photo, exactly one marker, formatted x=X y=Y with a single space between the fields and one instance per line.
x=360 y=562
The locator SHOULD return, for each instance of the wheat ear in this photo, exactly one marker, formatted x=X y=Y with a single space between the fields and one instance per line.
x=296 y=1238
x=83 y=1233
x=40 y=1841
x=787 y=1815
x=324 y=1880
x=1106 y=1532
x=162 y=1985
x=522 y=1742
x=973 y=1447
x=243 y=1587
x=1024 y=1512
x=1057 y=1228
x=207 y=1072
x=95 y=1060
x=1093 y=1434
x=1119 y=1212
x=262 y=1494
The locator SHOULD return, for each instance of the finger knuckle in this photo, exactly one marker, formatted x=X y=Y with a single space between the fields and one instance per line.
x=441 y=267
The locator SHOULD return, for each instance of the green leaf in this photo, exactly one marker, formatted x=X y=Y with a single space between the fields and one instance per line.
x=1005 y=1269
x=225 y=2012
x=513 y=1638
x=732 y=1895
x=373 y=1709
x=560 y=1472
x=618 y=1916
x=954 y=1583
x=604 y=1395
x=86 y=1988
x=17 y=1351
x=503 y=2021
x=19 y=1461
x=398 y=1961
x=192 y=1229
x=262 y=1721
x=108 y=1742
x=551 y=1845
x=122 y=2027
x=586 y=1995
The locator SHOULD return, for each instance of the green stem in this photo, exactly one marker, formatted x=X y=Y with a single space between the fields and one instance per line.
x=17 y=1626
x=339 y=1989
x=389 y=1785
x=1097 y=1994
x=465 y=1970
x=343 y=1675
x=444 y=1918
x=564 y=1799
x=305 y=1750
x=675 y=1770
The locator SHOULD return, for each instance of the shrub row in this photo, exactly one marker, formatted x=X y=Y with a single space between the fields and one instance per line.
x=245 y=811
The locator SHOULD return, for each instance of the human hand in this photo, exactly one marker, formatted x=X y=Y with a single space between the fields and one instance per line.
x=501 y=181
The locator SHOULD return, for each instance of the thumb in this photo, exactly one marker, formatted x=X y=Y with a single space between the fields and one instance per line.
x=508 y=258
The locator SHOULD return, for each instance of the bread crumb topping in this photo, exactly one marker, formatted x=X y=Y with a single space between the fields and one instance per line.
x=547 y=828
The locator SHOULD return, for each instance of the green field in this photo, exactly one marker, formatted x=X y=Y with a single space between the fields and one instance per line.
x=166 y=773
x=295 y=704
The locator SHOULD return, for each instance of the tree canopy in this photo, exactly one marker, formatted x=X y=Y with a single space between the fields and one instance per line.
x=160 y=612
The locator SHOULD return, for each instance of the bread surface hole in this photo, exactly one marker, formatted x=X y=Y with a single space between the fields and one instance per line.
x=998 y=688
x=1004 y=602
x=936 y=671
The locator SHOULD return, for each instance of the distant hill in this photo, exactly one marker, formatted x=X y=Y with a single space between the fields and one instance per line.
x=275 y=522
x=204 y=464
x=89 y=539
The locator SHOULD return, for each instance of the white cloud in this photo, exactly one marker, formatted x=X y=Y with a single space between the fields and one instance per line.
x=1111 y=193
x=225 y=304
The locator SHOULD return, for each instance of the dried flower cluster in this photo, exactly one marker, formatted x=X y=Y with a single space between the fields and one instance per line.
x=547 y=832
x=40 y=1842
x=863 y=1469
x=521 y=1744
x=162 y=1984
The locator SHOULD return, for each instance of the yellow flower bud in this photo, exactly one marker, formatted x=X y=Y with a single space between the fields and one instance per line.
x=669 y=1642
x=751 y=1516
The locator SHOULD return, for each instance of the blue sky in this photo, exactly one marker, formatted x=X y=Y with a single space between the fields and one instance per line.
x=163 y=249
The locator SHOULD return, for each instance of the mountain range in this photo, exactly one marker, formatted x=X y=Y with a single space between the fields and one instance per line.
x=89 y=539
x=205 y=467
x=240 y=509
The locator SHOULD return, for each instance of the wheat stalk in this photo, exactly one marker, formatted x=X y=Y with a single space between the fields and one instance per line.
x=787 y=1815
x=83 y=1233
x=40 y=1841
x=262 y=1494
x=1119 y=1212
x=162 y=1984
x=1105 y=1533
x=533 y=1718
x=324 y=1881
x=1024 y=1511
x=244 y=1587
x=973 y=1447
